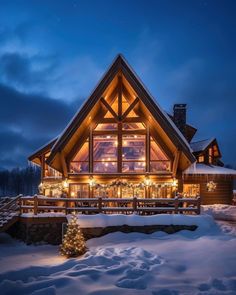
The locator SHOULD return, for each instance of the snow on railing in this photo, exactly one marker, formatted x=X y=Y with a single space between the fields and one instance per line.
x=41 y=204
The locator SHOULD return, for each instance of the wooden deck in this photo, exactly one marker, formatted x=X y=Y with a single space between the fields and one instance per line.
x=41 y=204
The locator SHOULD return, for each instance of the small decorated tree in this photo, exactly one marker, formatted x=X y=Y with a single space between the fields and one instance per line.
x=73 y=243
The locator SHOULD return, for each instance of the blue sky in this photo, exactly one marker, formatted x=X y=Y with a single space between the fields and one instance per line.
x=52 y=54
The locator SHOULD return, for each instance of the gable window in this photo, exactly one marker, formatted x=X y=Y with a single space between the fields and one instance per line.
x=201 y=159
x=49 y=171
x=105 y=153
x=158 y=160
x=210 y=155
x=80 y=162
x=133 y=153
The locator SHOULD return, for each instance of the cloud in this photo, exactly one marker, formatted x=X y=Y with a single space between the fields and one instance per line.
x=28 y=121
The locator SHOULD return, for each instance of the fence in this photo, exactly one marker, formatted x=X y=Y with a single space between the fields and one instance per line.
x=40 y=204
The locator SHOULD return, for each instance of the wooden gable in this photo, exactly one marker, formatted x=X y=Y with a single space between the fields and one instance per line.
x=120 y=87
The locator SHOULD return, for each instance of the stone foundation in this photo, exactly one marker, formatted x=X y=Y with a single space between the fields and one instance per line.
x=44 y=230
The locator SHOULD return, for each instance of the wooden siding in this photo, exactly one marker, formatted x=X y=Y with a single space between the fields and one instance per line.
x=223 y=193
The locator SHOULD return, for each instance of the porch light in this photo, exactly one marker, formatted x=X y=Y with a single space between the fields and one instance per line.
x=65 y=184
x=147 y=181
x=175 y=183
x=92 y=182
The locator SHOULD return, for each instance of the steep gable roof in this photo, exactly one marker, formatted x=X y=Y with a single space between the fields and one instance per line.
x=120 y=65
x=201 y=145
x=35 y=157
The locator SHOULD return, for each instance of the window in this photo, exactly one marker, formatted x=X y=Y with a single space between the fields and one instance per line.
x=79 y=190
x=210 y=155
x=49 y=171
x=200 y=159
x=215 y=151
x=105 y=153
x=80 y=162
x=160 y=192
x=106 y=126
x=133 y=126
x=133 y=153
x=191 y=190
x=158 y=160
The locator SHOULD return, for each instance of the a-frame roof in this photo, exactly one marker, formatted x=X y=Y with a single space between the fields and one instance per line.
x=120 y=65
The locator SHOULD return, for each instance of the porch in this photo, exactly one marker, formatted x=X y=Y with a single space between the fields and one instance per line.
x=39 y=204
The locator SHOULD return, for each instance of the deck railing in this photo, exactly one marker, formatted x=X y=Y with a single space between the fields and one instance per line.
x=41 y=204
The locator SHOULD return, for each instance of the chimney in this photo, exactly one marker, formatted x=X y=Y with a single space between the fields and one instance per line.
x=180 y=117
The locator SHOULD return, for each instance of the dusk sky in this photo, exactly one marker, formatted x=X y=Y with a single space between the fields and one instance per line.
x=53 y=53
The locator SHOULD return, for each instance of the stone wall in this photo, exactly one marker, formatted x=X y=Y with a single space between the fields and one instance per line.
x=39 y=230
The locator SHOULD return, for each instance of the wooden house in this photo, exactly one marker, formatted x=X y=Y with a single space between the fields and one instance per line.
x=121 y=144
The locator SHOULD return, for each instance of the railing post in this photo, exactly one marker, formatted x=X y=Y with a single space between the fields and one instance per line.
x=100 y=205
x=135 y=204
x=35 y=204
x=176 y=203
x=198 y=205
x=66 y=207
x=20 y=203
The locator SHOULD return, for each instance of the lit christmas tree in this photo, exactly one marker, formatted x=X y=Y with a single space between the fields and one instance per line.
x=73 y=243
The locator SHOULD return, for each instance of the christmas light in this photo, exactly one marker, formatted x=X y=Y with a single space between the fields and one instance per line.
x=73 y=243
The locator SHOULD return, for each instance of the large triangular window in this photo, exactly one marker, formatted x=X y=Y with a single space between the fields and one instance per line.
x=158 y=159
x=80 y=162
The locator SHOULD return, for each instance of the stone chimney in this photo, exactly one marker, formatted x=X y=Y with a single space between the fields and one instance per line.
x=179 y=117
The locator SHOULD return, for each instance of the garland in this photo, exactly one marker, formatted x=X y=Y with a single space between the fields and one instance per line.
x=123 y=183
x=53 y=186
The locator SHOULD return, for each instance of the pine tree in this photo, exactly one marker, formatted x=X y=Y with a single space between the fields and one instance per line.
x=73 y=243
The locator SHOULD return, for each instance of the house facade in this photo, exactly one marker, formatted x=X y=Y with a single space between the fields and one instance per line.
x=121 y=144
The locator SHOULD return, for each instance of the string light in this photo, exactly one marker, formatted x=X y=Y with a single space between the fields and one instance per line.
x=73 y=243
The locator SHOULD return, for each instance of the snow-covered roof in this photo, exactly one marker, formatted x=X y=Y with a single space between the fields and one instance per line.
x=199 y=146
x=208 y=169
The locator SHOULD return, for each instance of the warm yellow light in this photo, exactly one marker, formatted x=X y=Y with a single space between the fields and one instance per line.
x=108 y=136
x=65 y=183
x=92 y=182
x=147 y=181
x=72 y=194
x=175 y=183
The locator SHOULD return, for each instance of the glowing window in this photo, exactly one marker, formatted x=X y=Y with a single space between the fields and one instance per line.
x=80 y=162
x=106 y=126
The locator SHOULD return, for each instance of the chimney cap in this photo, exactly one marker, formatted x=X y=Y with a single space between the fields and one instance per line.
x=180 y=106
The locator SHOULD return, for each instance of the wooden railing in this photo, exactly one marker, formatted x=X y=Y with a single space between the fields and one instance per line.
x=40 y=204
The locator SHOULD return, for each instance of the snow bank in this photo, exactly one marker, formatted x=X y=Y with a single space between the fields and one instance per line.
x=119 y=263
x=220 y=211
x=42 y=215
x=105 y=220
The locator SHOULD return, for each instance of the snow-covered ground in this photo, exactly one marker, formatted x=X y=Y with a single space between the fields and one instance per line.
x=199 y=262
x=220 y=211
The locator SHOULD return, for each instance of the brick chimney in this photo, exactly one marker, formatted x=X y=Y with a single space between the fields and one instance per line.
x=179 y=117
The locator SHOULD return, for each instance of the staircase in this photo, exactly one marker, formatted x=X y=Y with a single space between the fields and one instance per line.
x=9 y=212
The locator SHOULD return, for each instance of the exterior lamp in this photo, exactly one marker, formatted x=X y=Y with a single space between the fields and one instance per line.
x=175 y=183
x=92 y=182
x=40 y=187
x=65 y=184
x=147 y=181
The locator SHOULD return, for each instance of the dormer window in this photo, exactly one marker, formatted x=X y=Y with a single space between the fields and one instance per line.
x=201 y=159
